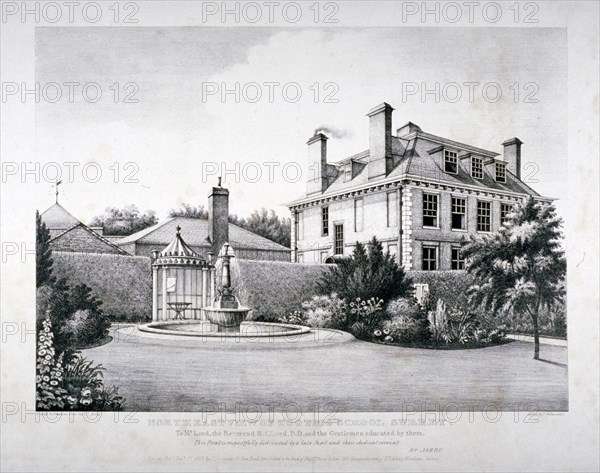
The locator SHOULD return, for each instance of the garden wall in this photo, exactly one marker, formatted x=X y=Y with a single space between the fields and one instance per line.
x=123 y=283
x=274 y=288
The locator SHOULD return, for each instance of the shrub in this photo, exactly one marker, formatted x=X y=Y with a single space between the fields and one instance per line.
x=438 y=319
x=362 y=331
x=93 y=325
x=367 y=273
x=325 y=312
x=369 y=313
x=83 y=381
x=407 y=324
x=460 y=327
x=86 y=328
x=496 y=335
x=75 y=314
x=42 y=299
x=43 y=254
x=73 y=386
x=552 y=321
x=294 y=318
x=56 y=303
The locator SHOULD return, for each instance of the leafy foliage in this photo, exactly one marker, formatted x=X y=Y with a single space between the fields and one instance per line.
x=522 y=267
x=43 y=253
x=460 y=327
x=367 y=273
x=124 y=221
x=295 y=318
x=57 y=304
x=76 y=315
x=407 y=323
x=325 y=312
x=365 y=316
x=451 y=286
x=187 y=210
x=76 y=385
x=263 y=222
x=93 y=325
x=266 y=223
x=50 y=393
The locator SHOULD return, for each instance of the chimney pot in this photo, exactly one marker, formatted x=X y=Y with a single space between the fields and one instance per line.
x=316 y=164
x=512 y=156
x=380 y=140
x=218 y=217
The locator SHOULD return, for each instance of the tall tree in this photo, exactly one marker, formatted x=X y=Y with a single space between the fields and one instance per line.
x=263 y=222
x=43 y=253
x=266 y=223
x=124 y=221
x=522 y=267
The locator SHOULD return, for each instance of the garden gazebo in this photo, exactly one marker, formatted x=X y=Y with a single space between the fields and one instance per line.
x=183 y=282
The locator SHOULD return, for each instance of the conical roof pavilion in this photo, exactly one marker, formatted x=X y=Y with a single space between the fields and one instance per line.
x=178 y=252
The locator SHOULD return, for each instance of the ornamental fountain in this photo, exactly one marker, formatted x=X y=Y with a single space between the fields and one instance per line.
x=226 y=312
x=184 y=283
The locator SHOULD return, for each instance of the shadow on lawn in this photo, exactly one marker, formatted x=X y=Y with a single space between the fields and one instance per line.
x=562 y=365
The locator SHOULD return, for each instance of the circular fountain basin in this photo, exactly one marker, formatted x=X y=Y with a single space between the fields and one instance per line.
x=227 y=319
x=201 y=328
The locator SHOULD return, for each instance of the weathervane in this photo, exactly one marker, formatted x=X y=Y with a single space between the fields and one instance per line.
x=56 y=184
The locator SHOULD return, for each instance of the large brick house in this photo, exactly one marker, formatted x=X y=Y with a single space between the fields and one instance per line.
x=418 y=193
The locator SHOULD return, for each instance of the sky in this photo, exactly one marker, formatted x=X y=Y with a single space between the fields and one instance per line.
x=168 y=146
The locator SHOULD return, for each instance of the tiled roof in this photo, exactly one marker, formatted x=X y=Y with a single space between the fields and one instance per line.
x=423 y=164
x=91 y=232
x=195 y=233
x=58 y=218
x=415 y=161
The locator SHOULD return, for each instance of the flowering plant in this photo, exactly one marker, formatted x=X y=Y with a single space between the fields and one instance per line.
x=366 y=316
x=294 y=318
x=50 y=393
x=74 y=386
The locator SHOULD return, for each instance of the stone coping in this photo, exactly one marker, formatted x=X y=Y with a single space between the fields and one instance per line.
x=310 y=338
x=155 y=327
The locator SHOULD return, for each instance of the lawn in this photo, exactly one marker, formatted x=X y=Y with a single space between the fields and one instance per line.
x=182 y=374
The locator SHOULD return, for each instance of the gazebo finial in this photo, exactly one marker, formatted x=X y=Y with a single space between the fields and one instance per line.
x=178 y=230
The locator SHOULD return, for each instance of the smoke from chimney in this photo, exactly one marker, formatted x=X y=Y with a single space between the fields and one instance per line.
x=333 y=132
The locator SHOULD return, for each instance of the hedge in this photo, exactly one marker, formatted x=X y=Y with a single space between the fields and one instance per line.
x=450 y=286
x=122 y=283
x=274 y=288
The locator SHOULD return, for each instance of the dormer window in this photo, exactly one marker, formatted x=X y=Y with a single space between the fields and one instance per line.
x=500 y=172
x=477 y=167
x=348 y=172
x=450 y=162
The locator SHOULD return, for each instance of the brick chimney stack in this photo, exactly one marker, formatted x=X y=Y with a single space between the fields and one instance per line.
x=316 y=164
x=512 y=156
x=380 y=140
x=218 y=217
